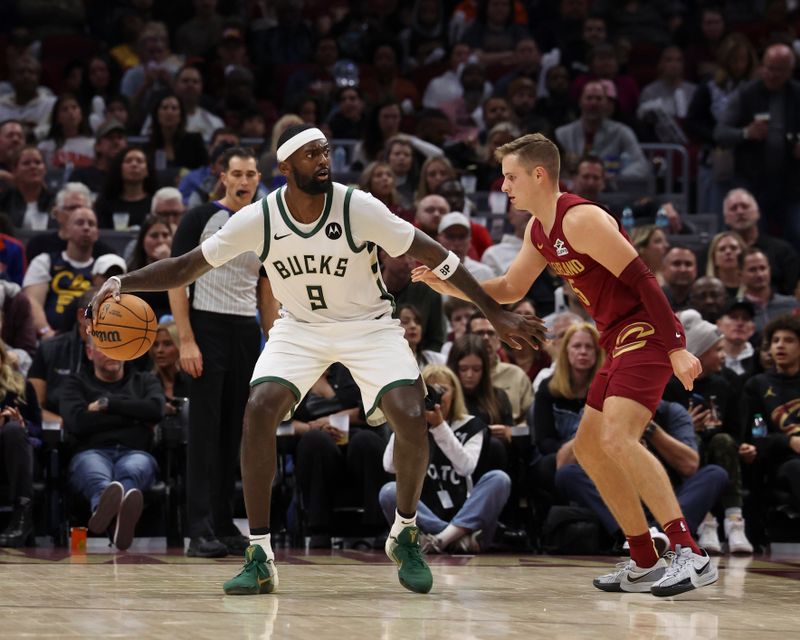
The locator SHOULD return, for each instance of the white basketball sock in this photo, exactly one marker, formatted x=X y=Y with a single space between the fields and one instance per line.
x=401 y=523
x=265 y=543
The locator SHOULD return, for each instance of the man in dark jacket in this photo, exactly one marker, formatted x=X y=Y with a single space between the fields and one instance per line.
x=109 y=415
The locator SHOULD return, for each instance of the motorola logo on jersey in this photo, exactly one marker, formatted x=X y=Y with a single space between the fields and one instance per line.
x=333 y=230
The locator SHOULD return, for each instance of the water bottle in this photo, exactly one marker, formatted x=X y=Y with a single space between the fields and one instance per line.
x=662 y=221
x=759 y=426
x=339 y=161
x=627 y=219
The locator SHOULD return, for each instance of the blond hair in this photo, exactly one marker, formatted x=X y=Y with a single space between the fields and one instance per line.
x=561 y=384
x=533 y=150
x=641 y=236
x=711 y=268
x=442 y=374
x=11 y=380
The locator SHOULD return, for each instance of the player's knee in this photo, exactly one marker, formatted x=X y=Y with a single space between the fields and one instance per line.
x=267 y=405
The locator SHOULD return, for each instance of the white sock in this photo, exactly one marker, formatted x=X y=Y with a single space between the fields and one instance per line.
x=734 y=513
x=450 y=534
x=265 y=543
x=401 y=523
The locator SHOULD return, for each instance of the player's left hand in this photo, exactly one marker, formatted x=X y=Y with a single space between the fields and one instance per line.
x=109 y=289
x=686 y=367
x=512 y=328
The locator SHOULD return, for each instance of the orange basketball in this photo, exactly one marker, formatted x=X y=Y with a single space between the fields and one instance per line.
x=124 y=330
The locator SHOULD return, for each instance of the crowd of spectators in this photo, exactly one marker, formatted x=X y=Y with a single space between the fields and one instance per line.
x=115 y=119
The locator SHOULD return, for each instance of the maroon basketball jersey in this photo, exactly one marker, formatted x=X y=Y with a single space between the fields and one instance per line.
x=605 y=297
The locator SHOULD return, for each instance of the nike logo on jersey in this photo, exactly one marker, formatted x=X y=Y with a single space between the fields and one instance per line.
x=277 y=237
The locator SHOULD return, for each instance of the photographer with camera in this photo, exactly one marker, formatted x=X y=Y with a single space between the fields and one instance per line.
x=452 y=512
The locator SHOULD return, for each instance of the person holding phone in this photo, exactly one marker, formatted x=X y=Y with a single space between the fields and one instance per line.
x=455 y=512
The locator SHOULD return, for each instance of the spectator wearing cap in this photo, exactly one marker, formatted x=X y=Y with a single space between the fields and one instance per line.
x=107 y=265
x=454 y=235
x=72 y=196
x=188 y=87
x=757 y=288
x=109 y=140
x=713 y=405
x=199 y=179
x=55 y=279
x=738 y=326
x=709 y=296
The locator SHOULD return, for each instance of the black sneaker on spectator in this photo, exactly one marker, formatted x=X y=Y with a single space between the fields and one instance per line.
x=129 y=513
x=107 y=508
x=206 y=547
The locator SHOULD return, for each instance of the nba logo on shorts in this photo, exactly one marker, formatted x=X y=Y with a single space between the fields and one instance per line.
x=333 y=231
x=561 y=250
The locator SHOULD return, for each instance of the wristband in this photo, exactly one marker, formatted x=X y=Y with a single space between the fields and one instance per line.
x=448 y=266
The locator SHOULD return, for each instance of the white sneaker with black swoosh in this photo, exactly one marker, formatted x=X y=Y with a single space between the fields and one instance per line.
x=629 y=577
x=687 y=571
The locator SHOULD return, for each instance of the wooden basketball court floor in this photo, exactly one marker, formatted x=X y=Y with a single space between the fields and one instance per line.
x=352 y=595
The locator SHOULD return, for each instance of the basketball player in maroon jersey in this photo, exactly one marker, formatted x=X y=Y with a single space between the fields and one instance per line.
x=644 y=343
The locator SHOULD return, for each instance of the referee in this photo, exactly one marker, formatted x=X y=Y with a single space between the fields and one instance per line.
x=220 y=341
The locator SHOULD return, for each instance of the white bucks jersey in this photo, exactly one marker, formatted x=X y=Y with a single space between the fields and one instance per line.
x=327 y=271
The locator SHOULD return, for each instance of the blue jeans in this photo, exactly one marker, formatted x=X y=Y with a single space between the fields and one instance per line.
x=479 y=512
x=91 y=471
x=696 y=495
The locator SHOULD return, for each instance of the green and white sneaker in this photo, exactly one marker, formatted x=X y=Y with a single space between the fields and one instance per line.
x=412 y=570
x=259 y=575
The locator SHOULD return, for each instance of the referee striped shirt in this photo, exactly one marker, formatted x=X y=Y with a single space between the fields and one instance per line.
x=229 y=289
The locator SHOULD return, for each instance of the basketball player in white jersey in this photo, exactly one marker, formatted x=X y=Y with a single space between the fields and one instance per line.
x=317 y=241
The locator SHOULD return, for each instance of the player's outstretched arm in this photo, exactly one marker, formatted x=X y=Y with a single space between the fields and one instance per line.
x=592 y=231
x=169 y=273
x=509 y=326
x=506 y=289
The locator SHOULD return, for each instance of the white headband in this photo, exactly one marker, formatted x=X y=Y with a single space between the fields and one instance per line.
x=297 y=141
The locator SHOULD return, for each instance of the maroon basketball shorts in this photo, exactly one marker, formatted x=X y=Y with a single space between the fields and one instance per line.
x=637 y=367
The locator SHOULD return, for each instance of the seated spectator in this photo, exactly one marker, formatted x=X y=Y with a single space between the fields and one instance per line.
x=527 y=67
x=329 y=461
x=59 y=357
x=348 y=120
x=54 y=280
x=775 y=458
x=702 y=59
x=670 y=437
x=188 y=89
x=652 y=245
x=575 y=54
x=680 y=272
x=20 y=432
x=489 y=171
x=171 y=145
x=129 y=189
x=166 y=357
x=756 y=288
x=28 y=103
x=198 y=185
x=737 y=326
x=317 y=80
x=17 y=329
x=447 y=86
x=201 y=32
x=454 y=235
x=612 y=141
x=109 y=141
x=458 y=312
x=69 y=142
x=523 y=99
x=12 y=139
x=411 y=321
x=724 y=260
x=452 y=190
x=708 y=296
x=557 y=324
x=664 y=103
x=530 y=360
x=742 y=215
x=109 y=414
x=494 y=33
x=72 y=196
x=604 y=67
x=99 y=83
x=387 y=81
x=500 y=256
x=377 y=179
x=451 y=516
x=559 y=403
x=434 y=171
x=556 y=106
x=465 y=112
x=713 y=405
x=400 y=157
x=27 y=203
x=167 y=203
x=152 y=243
x=396 y=274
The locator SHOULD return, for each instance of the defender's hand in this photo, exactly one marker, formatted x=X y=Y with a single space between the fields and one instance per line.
x=423 y=274
x=686 y=367
x=512 y=328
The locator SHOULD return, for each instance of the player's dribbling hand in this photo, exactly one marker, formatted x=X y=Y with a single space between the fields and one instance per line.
x=109 y=289
x=513 y=328
x=424 y=274
x=686 y=367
